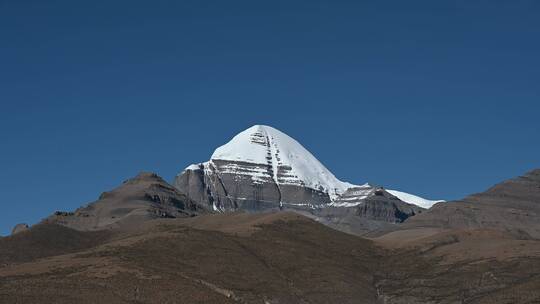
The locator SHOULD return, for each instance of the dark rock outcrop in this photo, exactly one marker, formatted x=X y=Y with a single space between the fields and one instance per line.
x=370 y=213
x=385 y=207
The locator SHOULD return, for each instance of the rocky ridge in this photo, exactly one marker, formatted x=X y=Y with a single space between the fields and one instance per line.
x=144 y=197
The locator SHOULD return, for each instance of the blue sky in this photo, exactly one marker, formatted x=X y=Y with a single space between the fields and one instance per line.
x=437 y=98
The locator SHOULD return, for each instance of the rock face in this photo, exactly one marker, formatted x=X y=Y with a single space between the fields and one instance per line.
x=371 y=215
x=146 y=196
x=224 y=190
x=385 y=207
x=262 y=168
x=512 y=206
x=19 y=228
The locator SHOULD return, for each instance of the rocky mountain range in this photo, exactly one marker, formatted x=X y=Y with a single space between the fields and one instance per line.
x=263 y=221
x=262 y=168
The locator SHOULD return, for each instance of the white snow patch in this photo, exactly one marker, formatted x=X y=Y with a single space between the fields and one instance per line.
x=413 y=199
x=354 y=196
x=345 y=204
x=193 y=167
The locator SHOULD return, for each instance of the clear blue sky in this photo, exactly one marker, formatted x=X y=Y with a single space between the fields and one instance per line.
x=437 y=98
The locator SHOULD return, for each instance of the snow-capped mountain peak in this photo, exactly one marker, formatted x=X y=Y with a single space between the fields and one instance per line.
x=291 y=163
x=243 y=169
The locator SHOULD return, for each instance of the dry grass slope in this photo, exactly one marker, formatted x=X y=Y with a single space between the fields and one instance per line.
x=267 y=258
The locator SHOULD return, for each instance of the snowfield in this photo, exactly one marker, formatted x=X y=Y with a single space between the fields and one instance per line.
x=413 y=199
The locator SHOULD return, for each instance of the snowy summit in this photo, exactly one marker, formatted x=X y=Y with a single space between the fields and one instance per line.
x=263 y=152
x=266 y=145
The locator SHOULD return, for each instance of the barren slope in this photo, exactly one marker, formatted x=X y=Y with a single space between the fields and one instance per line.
x=275 y=258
